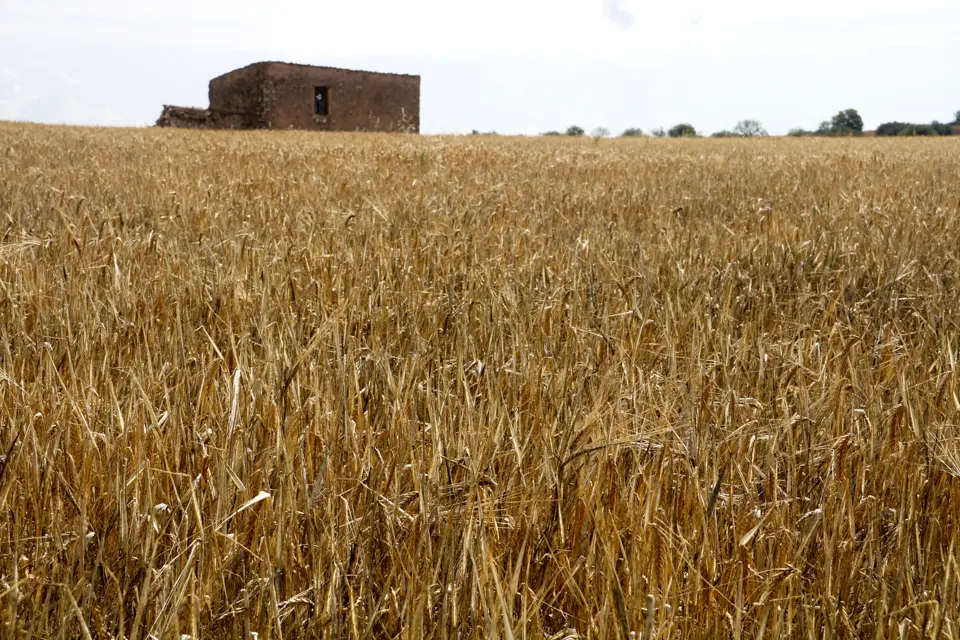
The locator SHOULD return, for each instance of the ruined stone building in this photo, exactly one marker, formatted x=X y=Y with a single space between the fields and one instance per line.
x=279 y=95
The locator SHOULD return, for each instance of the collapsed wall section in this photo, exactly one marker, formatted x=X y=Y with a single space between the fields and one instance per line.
x=235 y=103
x=193 y=118
x=184 y=117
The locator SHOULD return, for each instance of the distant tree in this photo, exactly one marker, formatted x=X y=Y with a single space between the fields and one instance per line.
x=682 y=130
x=475 y=132
x=749 y=129
x=632 y=132
x=956 y=118
x=553 y=133
x=724 y=134
x=846 y=123
x=920 y=130
x=575 y=131
x=891 y=128
x=798 y=132
x=942 y=129
x=907 y=129
x=658 y=133
x=600 y=132
x=825 y=128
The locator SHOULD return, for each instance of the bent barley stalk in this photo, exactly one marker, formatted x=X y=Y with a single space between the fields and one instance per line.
x=393 y=386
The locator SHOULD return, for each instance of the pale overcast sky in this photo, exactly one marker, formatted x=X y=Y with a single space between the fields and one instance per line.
x=514 y=66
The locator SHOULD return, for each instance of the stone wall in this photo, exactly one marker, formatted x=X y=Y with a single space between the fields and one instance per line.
x=357 y=100
x=184 y=117
x=193 y=118
x=239 y=93
x=277 y=95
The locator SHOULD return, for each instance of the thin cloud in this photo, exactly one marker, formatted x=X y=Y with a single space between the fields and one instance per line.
x=67 y=77
x=614 y=11
x=10 y=73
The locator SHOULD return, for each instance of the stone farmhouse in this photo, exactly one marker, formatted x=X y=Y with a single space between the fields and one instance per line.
x=280 y=95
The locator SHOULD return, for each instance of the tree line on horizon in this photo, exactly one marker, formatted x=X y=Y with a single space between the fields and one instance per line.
x=847 y=122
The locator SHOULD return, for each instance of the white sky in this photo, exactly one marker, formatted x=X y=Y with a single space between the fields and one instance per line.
x=515 y=66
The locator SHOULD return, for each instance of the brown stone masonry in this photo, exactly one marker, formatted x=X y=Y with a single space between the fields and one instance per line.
x=278 y=95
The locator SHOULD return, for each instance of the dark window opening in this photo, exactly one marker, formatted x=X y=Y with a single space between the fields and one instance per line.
x=321 y=103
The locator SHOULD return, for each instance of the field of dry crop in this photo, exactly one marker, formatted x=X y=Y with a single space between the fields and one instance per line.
x=360 y=386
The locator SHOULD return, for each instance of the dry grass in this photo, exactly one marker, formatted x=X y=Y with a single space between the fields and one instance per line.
x=370 y=386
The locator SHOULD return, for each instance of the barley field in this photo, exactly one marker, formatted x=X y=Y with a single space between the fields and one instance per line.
x=284 y=385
